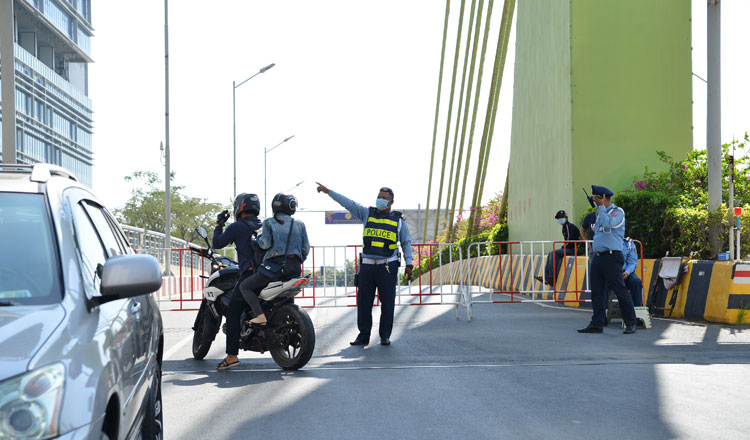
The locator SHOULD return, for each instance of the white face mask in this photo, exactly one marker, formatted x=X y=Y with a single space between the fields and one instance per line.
x=562 y=221
x=381 y=204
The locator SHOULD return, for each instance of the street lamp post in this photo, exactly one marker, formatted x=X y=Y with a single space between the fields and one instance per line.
x=265 y=191
x=234 y=125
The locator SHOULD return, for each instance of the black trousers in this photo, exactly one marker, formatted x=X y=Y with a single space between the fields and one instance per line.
x=606 y=273
x=635 y=286
x=246 y=293
x=558 y=255
x=371 y=277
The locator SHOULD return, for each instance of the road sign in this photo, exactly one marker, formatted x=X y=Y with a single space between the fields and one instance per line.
x=737 y=211
x=341 y=218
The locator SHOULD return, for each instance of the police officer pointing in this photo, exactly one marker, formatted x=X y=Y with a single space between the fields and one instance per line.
x=606 y=267
x=384 y=229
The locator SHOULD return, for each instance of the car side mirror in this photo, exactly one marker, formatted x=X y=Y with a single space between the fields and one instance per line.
x=126 y=276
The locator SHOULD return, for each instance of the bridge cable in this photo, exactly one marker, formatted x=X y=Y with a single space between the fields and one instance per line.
x=449 y=218
x=492 y=107
x=476 y=100
x=450 y=112
x=465 y=113
x=437 y=112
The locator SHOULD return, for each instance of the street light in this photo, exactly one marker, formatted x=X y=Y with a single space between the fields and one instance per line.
x=265 y=193
x=234 y=124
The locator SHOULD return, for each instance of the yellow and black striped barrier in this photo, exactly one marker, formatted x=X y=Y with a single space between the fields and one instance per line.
x=714 y=291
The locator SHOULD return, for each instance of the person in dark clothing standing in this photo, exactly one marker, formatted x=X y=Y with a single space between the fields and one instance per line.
x=607 y=265
x=246 y=210
x=570 y=232
x=383 y=230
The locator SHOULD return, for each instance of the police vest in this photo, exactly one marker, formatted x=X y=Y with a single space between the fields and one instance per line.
x=381 y=233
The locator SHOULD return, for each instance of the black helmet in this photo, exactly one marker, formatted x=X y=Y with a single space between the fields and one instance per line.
x=285 y=203
x=246 y=203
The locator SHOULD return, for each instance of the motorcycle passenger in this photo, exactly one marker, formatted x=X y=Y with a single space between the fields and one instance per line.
x=246 y=210
x=286 y=244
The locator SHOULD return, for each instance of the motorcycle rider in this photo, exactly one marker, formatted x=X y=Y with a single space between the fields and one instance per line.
x=286 y=244
x=246 y=210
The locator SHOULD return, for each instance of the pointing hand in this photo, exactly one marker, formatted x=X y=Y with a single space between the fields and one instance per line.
x=322 y=188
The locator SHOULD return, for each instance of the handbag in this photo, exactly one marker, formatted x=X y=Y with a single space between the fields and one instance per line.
x=272 y=269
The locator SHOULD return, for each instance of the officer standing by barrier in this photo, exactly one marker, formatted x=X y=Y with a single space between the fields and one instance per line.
x=380 y=258
x=606 y=268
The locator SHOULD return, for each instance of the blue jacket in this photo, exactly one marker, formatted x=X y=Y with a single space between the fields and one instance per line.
x=238 y=233
x=274 y=238
x=362 y=213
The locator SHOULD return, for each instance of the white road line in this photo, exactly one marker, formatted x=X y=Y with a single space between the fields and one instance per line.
x=413 y=367
x=173 y=349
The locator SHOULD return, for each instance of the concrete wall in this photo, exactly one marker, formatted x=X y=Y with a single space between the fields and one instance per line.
x=541 y=152
x=600 y=86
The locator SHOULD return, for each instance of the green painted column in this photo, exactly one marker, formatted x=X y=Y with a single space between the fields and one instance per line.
x=600 y=86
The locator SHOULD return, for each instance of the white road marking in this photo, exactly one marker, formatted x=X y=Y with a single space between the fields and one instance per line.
x=173 y=349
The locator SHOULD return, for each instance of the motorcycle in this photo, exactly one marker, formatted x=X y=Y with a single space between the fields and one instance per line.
x=289 y=335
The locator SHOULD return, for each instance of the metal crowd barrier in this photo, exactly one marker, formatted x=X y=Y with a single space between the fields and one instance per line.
x=183 y=275
x=511 y=269
x=332 y=270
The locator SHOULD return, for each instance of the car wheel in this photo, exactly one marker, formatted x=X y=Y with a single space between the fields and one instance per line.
x=153 y=421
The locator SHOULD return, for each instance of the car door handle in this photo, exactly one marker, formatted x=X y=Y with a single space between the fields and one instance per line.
x=135 y=307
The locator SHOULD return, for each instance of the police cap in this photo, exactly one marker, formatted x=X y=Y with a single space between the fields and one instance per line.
x=561 y=214
x=601 y=191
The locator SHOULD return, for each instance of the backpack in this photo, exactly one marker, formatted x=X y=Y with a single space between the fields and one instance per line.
x=258 y=252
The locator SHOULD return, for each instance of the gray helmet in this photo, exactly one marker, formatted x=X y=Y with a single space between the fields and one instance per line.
x=284 y=203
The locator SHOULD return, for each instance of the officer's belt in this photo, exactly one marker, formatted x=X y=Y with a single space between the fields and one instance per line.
x=599 y=254
x=379 y=260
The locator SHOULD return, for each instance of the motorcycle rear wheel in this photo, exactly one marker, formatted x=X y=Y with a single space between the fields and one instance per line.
x=201 y=336
x=298 y=335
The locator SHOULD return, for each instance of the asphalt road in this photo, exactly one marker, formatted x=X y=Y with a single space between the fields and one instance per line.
x=515 y=371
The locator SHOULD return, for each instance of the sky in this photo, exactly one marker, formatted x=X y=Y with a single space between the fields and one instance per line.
x=355 y=82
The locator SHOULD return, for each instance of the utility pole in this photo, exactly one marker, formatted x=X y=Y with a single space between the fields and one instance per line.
x=713 y=116
x=167 y=171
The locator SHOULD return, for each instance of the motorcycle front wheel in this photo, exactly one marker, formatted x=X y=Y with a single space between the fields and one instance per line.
x=298 y=337
x=201 y=335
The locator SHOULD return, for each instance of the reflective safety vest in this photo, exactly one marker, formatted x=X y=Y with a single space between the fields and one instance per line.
x=381 y=233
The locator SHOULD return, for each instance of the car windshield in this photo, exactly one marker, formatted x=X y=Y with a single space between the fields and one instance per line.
x=29 y=270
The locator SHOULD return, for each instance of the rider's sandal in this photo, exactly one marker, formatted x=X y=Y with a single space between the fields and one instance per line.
x=224 y=365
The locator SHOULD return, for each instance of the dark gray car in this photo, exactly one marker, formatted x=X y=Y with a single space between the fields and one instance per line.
x=80 y=333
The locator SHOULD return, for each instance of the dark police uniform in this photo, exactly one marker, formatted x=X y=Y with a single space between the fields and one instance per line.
x=570 y=232
x=606 y=267
x=380 y=262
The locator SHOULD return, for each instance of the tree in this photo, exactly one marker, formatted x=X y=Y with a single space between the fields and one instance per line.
x=145 y=208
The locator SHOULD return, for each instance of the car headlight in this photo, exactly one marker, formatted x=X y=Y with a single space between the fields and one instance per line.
x=30 y=403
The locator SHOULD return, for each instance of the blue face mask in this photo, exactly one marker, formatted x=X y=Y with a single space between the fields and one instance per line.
x=561 y=221
x=381 y=204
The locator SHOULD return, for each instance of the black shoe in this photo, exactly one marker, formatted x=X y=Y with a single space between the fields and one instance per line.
x=385 y=341
x=590 y=329
x=360 y=340
x=629 y=329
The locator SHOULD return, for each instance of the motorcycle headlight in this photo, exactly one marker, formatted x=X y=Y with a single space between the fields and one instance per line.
x=30 y=403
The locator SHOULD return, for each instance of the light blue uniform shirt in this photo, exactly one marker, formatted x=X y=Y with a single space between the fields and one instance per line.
x=362 y=212
x=631 y=256
x=610 y=228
